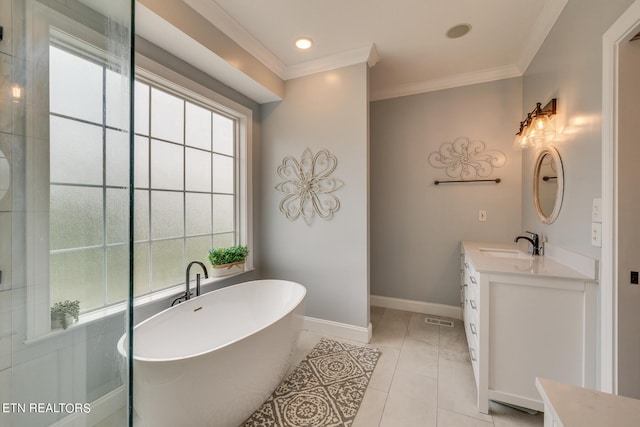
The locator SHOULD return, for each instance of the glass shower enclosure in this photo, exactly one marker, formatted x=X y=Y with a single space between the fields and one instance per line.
x=65 y=172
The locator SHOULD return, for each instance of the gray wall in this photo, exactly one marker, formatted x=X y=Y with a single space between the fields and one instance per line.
x=569 y=66
x=628 y=214
x=327 y=110
x=416 y=227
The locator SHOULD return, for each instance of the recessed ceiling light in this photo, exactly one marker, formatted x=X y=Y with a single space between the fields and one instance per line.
x=458 y=31
x=304 y=43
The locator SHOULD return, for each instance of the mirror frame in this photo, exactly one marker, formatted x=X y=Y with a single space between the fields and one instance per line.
x=555 y=155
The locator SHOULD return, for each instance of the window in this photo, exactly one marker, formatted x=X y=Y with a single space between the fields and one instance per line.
x=185 y=184
x=89 y=178
x=191 y=174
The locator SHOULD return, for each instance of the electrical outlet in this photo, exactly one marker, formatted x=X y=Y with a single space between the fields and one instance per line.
x=596 y=234
x=596 y=211
x=634 y=277
x=482 y=215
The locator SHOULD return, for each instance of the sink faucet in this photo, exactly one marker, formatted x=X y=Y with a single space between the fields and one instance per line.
x=534 y=240
x=187 y=294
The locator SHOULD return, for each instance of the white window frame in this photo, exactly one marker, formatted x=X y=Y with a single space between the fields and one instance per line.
x=151 y=72
x=37 y=218
x=42 y=22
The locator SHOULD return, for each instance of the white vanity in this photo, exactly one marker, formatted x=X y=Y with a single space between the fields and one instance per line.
x=526 y=317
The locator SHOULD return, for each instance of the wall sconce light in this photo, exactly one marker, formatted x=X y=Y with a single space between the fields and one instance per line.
x=16 y=92
x=538 y=128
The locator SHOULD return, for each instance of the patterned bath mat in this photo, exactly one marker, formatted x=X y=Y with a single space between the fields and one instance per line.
x=324 y=390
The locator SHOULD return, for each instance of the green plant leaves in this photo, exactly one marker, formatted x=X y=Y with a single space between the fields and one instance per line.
x=220 y=256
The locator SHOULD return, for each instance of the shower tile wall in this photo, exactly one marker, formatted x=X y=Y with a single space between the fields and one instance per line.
x=6 y=142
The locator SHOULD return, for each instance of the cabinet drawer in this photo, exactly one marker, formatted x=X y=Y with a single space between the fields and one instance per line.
x=473 y=355
x=471 y=329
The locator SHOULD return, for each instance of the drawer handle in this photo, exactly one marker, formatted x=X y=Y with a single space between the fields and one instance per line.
x=474 y=331
x=472 y=353
x=473 y=280
x=473 y=304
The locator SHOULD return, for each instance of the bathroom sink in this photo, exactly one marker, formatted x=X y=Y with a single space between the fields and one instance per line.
x=504 y=253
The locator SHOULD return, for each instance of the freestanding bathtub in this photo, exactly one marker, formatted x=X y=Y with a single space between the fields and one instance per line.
x=213 y=360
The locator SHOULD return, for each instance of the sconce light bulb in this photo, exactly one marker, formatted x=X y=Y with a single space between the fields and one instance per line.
x=16 y=91
x=540 y=122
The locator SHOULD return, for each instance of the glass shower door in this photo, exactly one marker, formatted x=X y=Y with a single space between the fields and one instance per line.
x=64 y=217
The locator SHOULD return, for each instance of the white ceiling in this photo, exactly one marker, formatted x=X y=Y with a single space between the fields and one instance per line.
x=409 y=36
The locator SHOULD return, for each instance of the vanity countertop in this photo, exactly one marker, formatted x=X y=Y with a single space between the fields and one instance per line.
x=523 y=264
x=572 y=406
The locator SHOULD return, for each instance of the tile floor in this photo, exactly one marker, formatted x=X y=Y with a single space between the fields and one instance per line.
x=423 y=378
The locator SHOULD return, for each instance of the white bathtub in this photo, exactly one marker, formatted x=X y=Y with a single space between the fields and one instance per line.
x=213 y=360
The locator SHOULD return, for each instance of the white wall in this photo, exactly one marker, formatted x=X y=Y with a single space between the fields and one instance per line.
x=628 y=214
x=416 y=227
x=327 y=110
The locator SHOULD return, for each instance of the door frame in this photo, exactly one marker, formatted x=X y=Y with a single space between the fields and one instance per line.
x=625 y=27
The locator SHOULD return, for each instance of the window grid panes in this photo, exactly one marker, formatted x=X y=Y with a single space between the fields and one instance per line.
x=185 y=184
x=88 y=177
x=185 y=179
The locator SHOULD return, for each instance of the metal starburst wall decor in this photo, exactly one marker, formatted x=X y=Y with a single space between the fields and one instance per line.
x=466 y=160
x=308 y=186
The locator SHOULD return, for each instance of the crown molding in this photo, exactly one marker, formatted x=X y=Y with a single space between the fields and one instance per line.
x=465 y=79
x=544 y=23
x=367 y=54
x=220 y=19
x=168 y=37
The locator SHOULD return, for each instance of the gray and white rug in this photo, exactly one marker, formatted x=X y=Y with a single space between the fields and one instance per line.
x=324 y=390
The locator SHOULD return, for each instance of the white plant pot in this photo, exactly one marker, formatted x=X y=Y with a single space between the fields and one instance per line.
x=227 y=269
x=57 y=324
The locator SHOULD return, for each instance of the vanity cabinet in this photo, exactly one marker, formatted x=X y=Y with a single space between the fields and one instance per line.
x=525 y=317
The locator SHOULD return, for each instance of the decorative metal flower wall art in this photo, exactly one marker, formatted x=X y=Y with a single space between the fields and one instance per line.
x=308 y=186
x=466 y=160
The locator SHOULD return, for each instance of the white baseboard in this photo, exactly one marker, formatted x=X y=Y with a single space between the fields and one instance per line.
x=340 y=330
x=443 y=310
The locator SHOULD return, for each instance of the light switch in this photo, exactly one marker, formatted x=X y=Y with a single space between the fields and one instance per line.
x=596 y=234
x=596 y=211
x=482 y=215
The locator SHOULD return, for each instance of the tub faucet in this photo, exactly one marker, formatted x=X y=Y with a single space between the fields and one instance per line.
x=187 y=294
x=534 y=240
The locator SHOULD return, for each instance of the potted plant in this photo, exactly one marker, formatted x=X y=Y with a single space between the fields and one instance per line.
x=63 y=313
x=228 y=260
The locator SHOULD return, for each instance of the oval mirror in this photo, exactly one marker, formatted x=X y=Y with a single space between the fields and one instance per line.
x=548 y=184
x=5 y=175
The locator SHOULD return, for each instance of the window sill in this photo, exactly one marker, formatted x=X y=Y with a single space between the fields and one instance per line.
x=115 y=309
